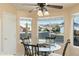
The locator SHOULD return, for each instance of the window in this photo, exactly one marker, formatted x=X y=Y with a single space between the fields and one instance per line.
x=76 y=30
x=51 y=27
x=25 y=28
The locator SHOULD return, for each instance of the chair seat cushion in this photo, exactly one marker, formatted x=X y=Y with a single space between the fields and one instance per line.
x=54 y=54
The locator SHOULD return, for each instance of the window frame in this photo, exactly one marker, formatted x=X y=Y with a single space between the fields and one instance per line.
x=72 y=30
x=52 y=18
x=25 y=18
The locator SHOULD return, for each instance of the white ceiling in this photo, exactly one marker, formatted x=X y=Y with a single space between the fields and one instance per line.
x=28 y=6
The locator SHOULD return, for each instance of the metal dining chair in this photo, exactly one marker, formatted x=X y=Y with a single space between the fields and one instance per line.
x=64 y=51
x=29 y=48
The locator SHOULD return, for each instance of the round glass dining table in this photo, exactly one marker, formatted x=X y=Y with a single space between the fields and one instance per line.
x=52 y=48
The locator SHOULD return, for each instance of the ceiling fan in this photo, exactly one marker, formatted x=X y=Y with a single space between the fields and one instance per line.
x=43 y=6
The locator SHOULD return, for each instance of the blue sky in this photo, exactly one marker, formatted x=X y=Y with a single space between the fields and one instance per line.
x=76 y=19
x=23 y=23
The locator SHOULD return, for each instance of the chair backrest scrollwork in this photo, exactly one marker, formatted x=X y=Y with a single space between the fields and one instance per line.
x=65 y=47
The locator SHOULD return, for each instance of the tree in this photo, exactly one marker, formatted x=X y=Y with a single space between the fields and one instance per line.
x=56 y=29
x=46 y=30
x=40 y=28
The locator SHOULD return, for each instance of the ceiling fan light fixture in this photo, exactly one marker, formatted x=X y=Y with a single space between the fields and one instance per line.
x=40 y=13
x=46 y=13
x=42 y=9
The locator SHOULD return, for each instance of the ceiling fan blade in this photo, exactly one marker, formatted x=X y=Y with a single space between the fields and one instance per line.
x=33 y=9
x=28 y=4
x=55 y=6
